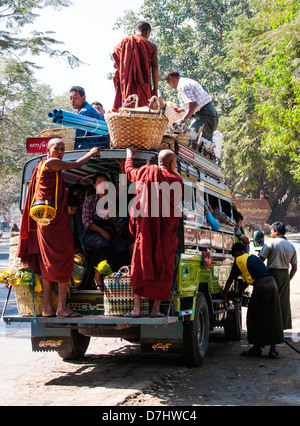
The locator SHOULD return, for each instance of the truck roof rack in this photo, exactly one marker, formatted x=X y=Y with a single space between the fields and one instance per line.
x=187 y=154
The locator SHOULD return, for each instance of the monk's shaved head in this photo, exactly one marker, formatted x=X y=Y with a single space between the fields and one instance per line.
x=53 y=142
x=167 y=158
x=55 y=148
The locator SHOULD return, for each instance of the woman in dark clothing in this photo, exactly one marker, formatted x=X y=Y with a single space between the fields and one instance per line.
x=264 y=324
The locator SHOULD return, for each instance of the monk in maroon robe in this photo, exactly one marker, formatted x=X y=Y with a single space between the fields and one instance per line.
x=135 y=59
x=49 y=250
x=155 y=229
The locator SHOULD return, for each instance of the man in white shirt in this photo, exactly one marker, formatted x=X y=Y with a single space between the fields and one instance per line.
x=280 y=254
x=196 y=103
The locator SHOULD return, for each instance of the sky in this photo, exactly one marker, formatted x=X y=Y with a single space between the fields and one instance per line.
x=86 y=28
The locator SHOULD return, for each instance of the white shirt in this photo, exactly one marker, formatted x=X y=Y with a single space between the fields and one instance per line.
x=279 y=253
x=191 y=91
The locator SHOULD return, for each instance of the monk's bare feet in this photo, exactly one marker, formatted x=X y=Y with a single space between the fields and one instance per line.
x=67 y=313
x=48 y=312
x=135 y=313
x=98 y=280
x=157 y=314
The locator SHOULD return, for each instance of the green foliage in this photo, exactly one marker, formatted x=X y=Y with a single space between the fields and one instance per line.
x=263 y=59
x=24 y=107
x=14 y=15
x=246 y=54
x=190 y=37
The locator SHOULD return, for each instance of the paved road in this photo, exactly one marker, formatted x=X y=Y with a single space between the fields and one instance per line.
x=116 y=372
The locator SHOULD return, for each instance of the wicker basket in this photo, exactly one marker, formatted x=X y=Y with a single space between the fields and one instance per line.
x=141 y=129
x=118 y=295
x=23 y=295
x=14 y=261
x=171 y=114
x=66 y=134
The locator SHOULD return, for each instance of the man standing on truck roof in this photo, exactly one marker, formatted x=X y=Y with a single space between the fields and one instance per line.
x=135 y=61
x=49 y=250
x=156 y=239
x=79 y=103
x=196 y=103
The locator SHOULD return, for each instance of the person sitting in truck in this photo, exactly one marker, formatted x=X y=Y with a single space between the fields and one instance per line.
x=102 y=233
x=79 y=103
x=156 y=239
x=49 y=250
x=73 y=206
x=239 y=232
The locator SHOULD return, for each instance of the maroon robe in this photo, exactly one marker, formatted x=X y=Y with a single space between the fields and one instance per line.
x=49 y=250
x=155 y=237
x=133 y=61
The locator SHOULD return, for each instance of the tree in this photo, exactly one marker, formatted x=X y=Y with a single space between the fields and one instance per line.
x=262 y=143
x=190 y=38
x=246 y=53
x=14 y=14
x=24 y=107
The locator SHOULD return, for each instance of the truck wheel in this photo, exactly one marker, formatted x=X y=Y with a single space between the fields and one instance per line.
x=79 y=345
x=196 y=334
x=233 y=323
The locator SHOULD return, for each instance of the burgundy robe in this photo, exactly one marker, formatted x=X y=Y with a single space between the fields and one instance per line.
x=49 y=250
x=133 y=61
x=155 y=237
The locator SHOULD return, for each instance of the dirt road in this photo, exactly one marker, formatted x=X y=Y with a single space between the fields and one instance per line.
x=117 y=373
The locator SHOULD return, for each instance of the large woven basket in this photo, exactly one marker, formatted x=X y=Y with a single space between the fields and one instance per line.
x=142 y=129
x=23 y=295
x=118 y=295
x=14 y=261
x=66 y=134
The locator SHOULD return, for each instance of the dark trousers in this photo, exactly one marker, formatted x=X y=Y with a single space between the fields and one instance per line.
x=207 y=116
x=115 y=251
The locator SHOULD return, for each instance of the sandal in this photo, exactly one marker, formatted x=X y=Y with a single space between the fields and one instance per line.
x=254 y=352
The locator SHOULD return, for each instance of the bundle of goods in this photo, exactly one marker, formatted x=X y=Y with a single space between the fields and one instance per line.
x=206 y=146
x=66 y=134
x=88 y=124
x=136 y=127
x=118 y=294
x=27 y=286
x=182 y=134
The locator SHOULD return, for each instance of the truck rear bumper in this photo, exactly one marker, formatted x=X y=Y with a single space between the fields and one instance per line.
x=55 y=334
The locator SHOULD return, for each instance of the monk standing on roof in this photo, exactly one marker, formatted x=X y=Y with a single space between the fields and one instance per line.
x=135 y=60
x=49 y=250
x=154 y=221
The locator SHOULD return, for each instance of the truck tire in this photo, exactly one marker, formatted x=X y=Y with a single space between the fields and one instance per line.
x=196 y=334
x=233 y=323
x=79 y=345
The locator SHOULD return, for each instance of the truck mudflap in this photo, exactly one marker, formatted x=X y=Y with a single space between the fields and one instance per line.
x=50 y=344
x=45 y=339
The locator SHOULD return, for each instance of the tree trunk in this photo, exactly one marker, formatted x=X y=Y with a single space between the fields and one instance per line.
x=281 y=204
